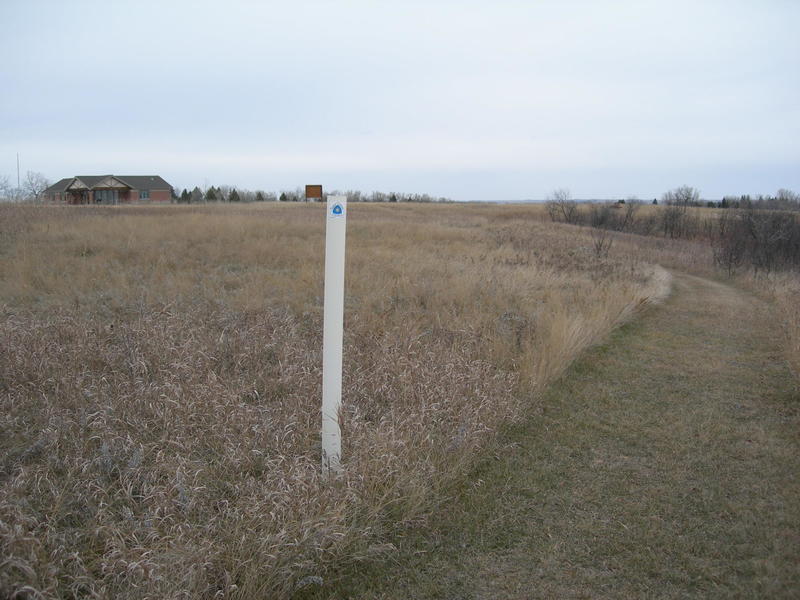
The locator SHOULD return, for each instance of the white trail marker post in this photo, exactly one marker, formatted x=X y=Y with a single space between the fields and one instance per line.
x=333 y=333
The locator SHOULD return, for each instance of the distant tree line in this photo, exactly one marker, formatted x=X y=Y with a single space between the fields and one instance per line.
x=357 y=196
x=783 y=200
x=222 y=193
x=672 y=219
x=761 y=233
x=225 y=193
x=34 y=184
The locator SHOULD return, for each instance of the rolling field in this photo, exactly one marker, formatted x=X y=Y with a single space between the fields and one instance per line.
x=160 y=382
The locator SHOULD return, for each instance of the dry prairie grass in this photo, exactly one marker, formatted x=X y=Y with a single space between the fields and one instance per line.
x=785 y=290
x=160 y=381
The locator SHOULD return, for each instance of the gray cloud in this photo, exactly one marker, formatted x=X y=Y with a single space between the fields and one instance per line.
x=466 y=99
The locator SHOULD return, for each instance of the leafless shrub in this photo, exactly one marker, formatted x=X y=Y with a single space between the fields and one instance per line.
x=602 y=241
x=673 y=220
x=562 y=208
x=765 y=241
x=35 y=184
x=682 y=196
x=729 y=244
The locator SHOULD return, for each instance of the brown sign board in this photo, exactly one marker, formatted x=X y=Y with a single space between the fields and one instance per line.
x=313 y=192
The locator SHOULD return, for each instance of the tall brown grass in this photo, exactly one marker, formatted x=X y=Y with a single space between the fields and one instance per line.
x=785 y=289
x=160 y=381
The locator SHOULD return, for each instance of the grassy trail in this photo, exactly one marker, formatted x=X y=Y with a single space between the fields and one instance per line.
x=663 y=464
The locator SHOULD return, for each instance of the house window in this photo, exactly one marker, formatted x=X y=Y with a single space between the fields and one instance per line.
x=144 y=194
x=106 y=196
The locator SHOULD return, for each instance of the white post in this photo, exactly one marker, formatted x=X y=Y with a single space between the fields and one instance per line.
x=333 y=333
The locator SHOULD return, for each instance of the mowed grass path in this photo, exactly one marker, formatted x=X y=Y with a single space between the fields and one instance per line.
x=664 y=464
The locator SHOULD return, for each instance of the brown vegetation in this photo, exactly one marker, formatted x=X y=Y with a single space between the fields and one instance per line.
x=759 y=248
x=664 y=464
x=785 y=289
x=160 y=382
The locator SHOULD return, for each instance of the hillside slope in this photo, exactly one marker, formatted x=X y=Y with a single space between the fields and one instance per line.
x=663 y=464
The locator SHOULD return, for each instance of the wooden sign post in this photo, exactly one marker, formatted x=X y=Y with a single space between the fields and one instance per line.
x=313 y=193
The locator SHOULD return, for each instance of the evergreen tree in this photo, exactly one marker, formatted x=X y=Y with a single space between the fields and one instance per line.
x=211 y=194
x=185 y=196
x=259 y=196
x=234 y=196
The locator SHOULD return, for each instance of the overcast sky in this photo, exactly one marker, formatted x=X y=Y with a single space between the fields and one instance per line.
x=470 y=100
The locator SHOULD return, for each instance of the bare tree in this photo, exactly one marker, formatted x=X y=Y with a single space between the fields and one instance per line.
x=728 y=242
x=764 y=240
x=223 y=192
x=561 y=206
x=5 y=188
x=602 y=239
x=267 y=196
x=787 y=199
x=674 y=217
x=35 y=183
x=682 y=196
x=628 y=219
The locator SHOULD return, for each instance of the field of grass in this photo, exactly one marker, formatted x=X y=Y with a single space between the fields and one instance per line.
x=160 y=382
x=663 y=464
x=785 y=290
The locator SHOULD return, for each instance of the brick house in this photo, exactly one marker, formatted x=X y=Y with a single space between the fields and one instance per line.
x=109 y=189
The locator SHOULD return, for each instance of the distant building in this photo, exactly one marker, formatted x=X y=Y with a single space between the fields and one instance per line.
x=109 y=189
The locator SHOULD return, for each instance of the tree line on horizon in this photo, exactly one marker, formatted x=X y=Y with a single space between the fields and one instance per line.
x=561 y=205
x=31 y=188
x=761 y=234
x=226 y=193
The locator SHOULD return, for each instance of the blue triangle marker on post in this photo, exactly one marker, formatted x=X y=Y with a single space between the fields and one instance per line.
x=337 y=210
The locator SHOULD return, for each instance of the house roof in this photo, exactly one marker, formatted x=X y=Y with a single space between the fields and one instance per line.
x=145 y=182
x=90 y=180
x=136 y=182
x=59 y=186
